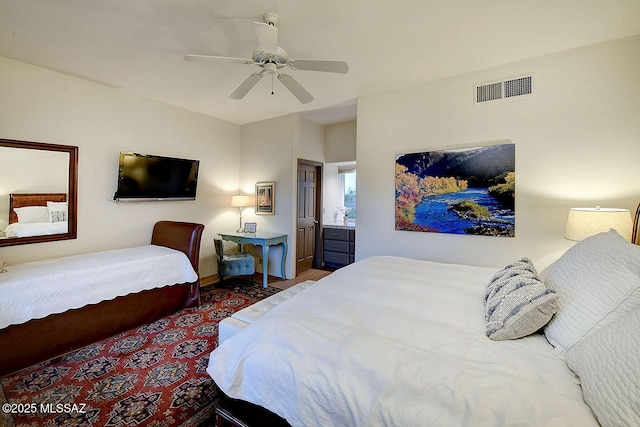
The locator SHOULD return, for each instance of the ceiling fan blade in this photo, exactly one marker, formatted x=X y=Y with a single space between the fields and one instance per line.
x=211 y=58
x=320 y=65
x=246 y=86
x=267 y=37
x=295 y=88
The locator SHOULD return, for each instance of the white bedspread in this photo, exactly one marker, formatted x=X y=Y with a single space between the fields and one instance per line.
x=36 y=229
x=37 y=289
x=396 y=342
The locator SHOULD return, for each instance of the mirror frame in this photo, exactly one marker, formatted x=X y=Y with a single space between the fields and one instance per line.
x=72 y=191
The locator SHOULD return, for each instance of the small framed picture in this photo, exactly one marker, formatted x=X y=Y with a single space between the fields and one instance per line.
x=250 y=227
x=265 y=198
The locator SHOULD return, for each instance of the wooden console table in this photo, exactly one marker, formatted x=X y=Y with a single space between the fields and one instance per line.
x=264 y=239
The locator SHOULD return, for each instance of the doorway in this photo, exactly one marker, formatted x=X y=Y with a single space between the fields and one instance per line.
x=308 y=227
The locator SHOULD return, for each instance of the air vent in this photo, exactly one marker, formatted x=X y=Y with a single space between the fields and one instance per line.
x=504 y=89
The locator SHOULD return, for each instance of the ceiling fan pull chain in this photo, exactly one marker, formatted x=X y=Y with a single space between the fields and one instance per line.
x=272 y=92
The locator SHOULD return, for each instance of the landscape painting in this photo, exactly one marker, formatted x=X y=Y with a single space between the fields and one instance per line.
x=459 y=191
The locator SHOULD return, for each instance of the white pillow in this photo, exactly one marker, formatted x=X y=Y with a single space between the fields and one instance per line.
x=517 y=303
x=598 y=281
x=607 y=363
x=57 y=211
x=30 y=214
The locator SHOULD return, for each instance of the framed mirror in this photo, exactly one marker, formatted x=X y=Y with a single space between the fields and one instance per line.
x=38 y=192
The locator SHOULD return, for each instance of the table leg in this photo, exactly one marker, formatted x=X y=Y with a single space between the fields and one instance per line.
x=265 y=264
x=284 y=258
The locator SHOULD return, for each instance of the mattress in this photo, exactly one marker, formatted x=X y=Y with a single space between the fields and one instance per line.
x=37 y=289
x=392 y=341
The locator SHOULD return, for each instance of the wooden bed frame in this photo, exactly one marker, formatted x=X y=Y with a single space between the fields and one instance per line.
x=55 y=335
x=19 y=200
x=635 y=231
x=238 y=413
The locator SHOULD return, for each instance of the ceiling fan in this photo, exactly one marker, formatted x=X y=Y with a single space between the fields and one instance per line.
x=272 y=58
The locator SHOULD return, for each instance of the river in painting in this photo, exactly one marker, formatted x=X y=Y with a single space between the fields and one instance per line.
x=434 y=212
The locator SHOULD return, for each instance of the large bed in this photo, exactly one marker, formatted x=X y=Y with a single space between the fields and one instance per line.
x=33 y=335
x=392 y=341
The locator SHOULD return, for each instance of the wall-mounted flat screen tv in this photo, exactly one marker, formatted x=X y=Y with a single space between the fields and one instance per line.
x=143 y=177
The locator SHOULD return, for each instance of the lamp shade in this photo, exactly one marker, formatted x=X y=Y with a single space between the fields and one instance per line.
x=585 y=222
x=240 y=201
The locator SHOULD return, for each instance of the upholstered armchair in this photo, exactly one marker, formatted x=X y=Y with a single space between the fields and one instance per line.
x=234 y=264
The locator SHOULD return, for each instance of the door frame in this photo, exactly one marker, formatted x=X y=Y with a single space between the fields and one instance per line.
x=317 y=255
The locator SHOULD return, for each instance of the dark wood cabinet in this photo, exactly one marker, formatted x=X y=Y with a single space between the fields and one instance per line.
x=339 y=246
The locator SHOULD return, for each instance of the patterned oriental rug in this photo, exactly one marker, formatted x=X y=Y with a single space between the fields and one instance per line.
x=150 y=376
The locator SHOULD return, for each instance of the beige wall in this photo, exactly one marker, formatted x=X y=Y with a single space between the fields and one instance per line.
x=270 y=152
x=340 y=142
x=44 y=106
x=577 y=144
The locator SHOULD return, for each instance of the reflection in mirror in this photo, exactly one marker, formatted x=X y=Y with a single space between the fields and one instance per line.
x=38 y=192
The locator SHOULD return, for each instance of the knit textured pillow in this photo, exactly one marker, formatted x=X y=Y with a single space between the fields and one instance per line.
x=517 y=302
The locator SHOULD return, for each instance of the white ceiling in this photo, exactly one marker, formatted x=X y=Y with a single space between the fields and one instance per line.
x=138 y=46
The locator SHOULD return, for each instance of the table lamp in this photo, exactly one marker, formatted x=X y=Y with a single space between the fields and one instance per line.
x=585 y=222
x=240 y=202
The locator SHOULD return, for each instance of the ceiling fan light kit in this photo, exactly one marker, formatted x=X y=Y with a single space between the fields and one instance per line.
x=271 y=58
x=271 y=18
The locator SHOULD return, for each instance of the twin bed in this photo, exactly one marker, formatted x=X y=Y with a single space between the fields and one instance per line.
x=51 y=307
x=392 y=341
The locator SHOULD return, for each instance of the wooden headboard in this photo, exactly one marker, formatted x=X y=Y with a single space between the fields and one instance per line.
x=635 y=231
x=20 y=200
x=182 y=236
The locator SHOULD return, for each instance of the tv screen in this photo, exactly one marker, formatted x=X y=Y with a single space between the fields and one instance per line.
x=149 y=177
